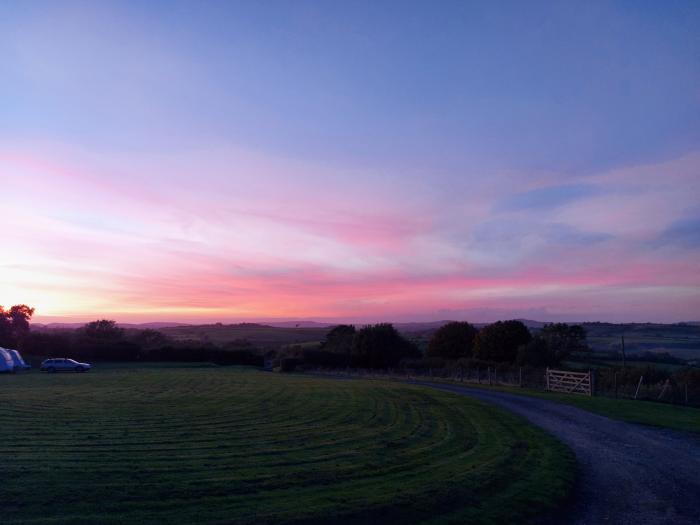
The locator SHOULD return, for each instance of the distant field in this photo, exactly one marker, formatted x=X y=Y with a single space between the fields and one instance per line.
x=260 y=335
x=678 y=340
x=224 y=445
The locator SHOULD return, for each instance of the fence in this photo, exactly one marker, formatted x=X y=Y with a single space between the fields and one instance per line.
x=619 y=384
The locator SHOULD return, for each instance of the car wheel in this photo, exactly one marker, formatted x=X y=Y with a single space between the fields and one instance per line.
x=50 y=369
x=79 y=369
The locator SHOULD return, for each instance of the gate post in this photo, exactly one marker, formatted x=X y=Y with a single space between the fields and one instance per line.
x=546 y=376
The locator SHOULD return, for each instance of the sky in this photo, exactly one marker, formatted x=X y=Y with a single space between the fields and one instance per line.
x=350 y=161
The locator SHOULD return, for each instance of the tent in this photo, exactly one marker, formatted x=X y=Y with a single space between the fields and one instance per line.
x=6 y=362
x=17 y=360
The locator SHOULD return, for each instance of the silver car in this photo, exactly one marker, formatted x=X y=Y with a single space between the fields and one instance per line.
x=64 y=365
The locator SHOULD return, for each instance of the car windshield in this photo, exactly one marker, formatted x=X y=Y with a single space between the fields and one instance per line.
x=71 y=361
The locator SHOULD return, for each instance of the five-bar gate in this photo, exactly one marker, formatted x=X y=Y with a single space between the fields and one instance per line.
x=570 y=382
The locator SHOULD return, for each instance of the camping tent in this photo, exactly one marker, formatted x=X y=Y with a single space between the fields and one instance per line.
x=6 y=362
x=17 y=360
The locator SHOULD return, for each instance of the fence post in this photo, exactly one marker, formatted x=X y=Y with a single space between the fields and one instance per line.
x=615 y=383
x=488 y=370
x=546 y=377
x=520 y=377
x=478 y=375
x=641 y=378
x=591 y=382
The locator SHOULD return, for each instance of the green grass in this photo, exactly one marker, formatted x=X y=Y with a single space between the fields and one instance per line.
x=643 y=412
x=230 y=445
x=650 y=413
x=259 y=335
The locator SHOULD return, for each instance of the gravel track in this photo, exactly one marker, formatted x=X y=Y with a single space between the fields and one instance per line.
x=629 y=474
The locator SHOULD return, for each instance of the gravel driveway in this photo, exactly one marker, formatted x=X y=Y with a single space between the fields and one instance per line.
x=629 y=473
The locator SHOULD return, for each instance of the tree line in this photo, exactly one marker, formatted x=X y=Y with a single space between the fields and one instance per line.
x=381 y=346
x=377 y=346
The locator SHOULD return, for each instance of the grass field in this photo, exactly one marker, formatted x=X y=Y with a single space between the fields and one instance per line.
x=225 y=445
x=260 y=335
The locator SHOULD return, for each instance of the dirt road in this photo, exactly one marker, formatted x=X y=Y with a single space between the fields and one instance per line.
x=630 y=474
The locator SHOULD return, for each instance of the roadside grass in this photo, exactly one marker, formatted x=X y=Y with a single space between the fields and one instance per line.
x=177 y=444
x=642 y=412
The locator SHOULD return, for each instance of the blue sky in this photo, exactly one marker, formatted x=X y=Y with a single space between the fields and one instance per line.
x=395 y=141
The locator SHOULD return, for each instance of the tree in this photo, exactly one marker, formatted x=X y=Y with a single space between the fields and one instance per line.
x=104 y=340
x=500 y=341
x=380 y=346
x=452 y=341
x=563 y=339
x=339 y=339
x=150 y=339
x=536 y=353
x=103 y=330
x=14 y=324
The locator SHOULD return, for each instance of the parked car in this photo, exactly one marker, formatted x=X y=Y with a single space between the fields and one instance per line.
x=64 y=365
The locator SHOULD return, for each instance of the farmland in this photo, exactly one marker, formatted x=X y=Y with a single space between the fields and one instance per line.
x=260 y=335
x=179 y=444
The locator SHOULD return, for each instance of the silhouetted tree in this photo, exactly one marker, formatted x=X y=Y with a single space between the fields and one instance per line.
x=104 y=340
x=500 y=341
x=452 y=341
x=149 y=339
x=536 y=353
x=339 y=339
x=104 y=330
x=563 y=339
x=14 y=324
x=380 y=346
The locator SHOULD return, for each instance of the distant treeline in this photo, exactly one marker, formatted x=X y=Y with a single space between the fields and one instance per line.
x=378 y=346
x=381 y=346
x=103 y=340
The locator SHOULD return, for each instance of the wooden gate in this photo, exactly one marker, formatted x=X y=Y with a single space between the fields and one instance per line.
x=570 y=382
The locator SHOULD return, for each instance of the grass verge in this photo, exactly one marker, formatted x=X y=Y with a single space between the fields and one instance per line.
x=676 y=417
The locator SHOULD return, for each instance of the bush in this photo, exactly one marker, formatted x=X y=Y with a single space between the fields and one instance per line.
x=325 y=359
x=288 y=364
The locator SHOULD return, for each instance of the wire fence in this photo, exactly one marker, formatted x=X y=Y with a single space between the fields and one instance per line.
x=619 y=384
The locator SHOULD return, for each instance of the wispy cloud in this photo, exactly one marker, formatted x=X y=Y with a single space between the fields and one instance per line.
x=549 y=197
x=684 y=233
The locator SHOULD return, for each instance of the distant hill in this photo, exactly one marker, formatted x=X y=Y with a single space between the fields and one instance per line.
x=680 y=339
x=258 y=334
x=72 y=326
x=300 y=324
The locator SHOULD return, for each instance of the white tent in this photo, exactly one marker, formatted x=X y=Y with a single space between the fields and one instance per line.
x=6 y=362
x=17 y=360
